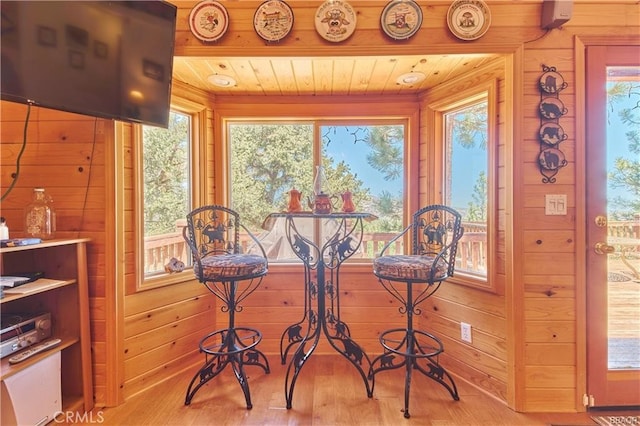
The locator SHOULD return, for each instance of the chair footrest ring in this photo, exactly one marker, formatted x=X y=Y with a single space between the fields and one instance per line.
x=411 y=343
x=230 y=341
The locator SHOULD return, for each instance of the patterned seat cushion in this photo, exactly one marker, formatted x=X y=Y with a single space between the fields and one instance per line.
x=230 y=266
x=409 y=267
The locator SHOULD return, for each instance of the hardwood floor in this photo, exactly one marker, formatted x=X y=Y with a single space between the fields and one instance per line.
x=328 y=392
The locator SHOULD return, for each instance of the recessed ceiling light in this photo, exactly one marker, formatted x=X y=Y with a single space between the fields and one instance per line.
x=410 y=78
x=222 y=80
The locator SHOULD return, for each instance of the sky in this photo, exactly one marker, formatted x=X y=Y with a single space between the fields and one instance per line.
x=617 y=143
x=355 y=154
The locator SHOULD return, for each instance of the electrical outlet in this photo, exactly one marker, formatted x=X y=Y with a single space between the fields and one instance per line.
x=465 y=332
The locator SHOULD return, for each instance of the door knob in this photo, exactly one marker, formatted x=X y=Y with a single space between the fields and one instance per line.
x=601 y=221
x=604 y=248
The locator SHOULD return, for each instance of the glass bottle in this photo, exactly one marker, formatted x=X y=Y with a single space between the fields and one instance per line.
x=4 y=229
x=40 y=217
x=318 y=182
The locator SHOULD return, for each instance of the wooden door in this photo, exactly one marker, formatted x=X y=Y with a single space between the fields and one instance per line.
x=613 y=225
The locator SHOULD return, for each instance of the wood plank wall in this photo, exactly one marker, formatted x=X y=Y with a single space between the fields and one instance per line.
x=539 y=315
x=162 y=325
x=67 y=154
x=548 y=275
x=483 y=362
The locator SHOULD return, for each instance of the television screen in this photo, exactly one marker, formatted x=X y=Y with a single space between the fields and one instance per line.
x=109 y=59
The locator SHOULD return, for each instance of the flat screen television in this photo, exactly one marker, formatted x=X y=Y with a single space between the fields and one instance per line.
x=108 y=59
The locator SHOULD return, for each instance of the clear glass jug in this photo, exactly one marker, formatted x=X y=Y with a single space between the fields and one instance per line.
x=39 y=216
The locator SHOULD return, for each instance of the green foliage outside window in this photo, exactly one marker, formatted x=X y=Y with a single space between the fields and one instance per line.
x=166 y=175
x=268 y=160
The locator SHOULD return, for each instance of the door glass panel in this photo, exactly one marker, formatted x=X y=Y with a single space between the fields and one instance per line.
x=623 y=209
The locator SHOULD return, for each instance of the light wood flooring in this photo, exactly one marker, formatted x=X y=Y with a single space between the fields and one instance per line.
x=328 y=392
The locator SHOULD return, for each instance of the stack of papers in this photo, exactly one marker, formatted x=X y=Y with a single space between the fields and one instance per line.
x=8 y=281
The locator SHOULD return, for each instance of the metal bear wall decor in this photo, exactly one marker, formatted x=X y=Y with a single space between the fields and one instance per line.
x=550 y=134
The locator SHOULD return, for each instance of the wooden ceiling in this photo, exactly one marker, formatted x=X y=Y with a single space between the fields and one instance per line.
x=362 y=75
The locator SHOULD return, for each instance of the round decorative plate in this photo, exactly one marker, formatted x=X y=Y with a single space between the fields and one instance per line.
x=273 y=20
x=552 y=108
x=552 y=134
x=552 y=159
x=468 y=19
x=401 y=19
x=208 y=20
x=552 y=82
x=335 y=20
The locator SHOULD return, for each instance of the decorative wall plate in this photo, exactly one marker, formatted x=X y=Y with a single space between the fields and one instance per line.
x=468 y=19
x=552 y=82
x=552 y=108
x=552 y=159
x=335 y=20
x=273 y=20
x=208 y=20
x=401 y=19
x=552 y=134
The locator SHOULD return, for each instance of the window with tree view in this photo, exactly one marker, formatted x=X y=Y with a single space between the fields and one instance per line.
x=465 y=182
x=269 y=159
x=166 y=185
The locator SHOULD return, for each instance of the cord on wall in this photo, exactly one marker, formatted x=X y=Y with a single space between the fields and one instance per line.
x=86 y=191
x=16 y=174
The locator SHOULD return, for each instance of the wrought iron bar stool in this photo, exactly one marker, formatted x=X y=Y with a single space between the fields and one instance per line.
x=213 y=235
x=411 y=279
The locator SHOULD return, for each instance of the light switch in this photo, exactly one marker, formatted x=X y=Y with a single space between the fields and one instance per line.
x=555 y=204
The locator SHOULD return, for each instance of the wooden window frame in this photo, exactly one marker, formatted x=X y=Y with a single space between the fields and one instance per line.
x=320 y=120
x=439 y=106
x=198 y=185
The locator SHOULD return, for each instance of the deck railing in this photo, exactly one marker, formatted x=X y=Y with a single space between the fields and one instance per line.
x=159 y=249
x=472 y=249
x=624 y=229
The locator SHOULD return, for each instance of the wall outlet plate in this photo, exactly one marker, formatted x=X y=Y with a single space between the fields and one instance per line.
x=465 y=332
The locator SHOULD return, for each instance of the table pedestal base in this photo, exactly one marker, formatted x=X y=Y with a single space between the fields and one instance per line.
x=321 y=315
x=337 y=334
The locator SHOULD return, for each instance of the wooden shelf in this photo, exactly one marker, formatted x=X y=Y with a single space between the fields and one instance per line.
x=37 y=286
x=10 y=369
x=44 y=244
x=63 y=292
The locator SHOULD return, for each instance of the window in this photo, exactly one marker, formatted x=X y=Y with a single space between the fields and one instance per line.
x=465 y=129
x=465 y=182
x=166 y=182
x=269 y=159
